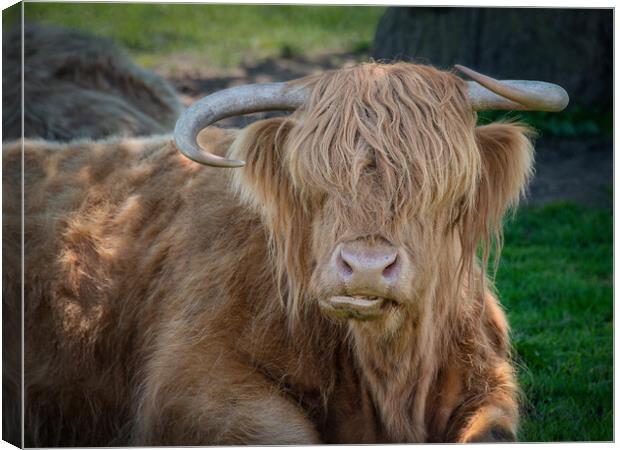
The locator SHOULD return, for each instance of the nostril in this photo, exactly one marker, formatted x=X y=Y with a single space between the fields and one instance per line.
x=391 y=270
x=344 y=268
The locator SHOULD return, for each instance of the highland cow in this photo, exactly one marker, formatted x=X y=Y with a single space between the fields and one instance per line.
x=328 y=291
x=77 y=85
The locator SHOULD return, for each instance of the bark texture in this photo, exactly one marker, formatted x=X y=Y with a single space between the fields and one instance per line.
x=570 y=47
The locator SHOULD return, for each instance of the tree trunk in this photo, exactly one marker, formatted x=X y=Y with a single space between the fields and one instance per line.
x=570 y=47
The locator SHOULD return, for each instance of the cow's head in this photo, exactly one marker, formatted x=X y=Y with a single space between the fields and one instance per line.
x=380 y=187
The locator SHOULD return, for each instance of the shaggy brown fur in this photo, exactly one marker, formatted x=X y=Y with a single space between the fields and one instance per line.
x=170 y=303
x=77 y=85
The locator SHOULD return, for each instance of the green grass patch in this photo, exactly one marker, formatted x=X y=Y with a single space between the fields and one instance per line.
x=555 y=280
x=223 y=35
x=11 y=16
x=574 y=121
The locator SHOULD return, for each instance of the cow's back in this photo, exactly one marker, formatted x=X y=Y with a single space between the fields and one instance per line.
x=100 y=220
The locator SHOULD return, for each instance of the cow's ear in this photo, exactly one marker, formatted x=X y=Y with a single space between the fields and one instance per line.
x=264 y=181
x=507 y=165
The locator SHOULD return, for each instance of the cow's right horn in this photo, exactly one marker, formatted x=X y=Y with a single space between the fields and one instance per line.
x=231 y=102
x=488 y=93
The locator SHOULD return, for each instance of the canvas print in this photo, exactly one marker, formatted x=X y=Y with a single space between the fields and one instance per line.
x=292 y=225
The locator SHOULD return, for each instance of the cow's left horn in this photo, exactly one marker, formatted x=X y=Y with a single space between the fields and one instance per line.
x=488 y=93
x=230 y=102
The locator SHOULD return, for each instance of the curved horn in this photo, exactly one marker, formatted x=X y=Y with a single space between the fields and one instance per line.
x=489 y=93
x=230 y=102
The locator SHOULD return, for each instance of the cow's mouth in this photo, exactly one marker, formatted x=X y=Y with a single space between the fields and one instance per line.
x=356 y=306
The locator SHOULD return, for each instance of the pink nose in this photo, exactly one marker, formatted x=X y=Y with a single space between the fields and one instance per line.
x=363 y=264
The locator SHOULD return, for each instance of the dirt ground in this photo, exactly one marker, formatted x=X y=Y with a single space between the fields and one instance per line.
x=573 y=169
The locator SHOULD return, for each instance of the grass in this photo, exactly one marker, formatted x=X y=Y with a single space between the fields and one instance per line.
x=223 y=35
x=575 y=121
x=555 y=280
